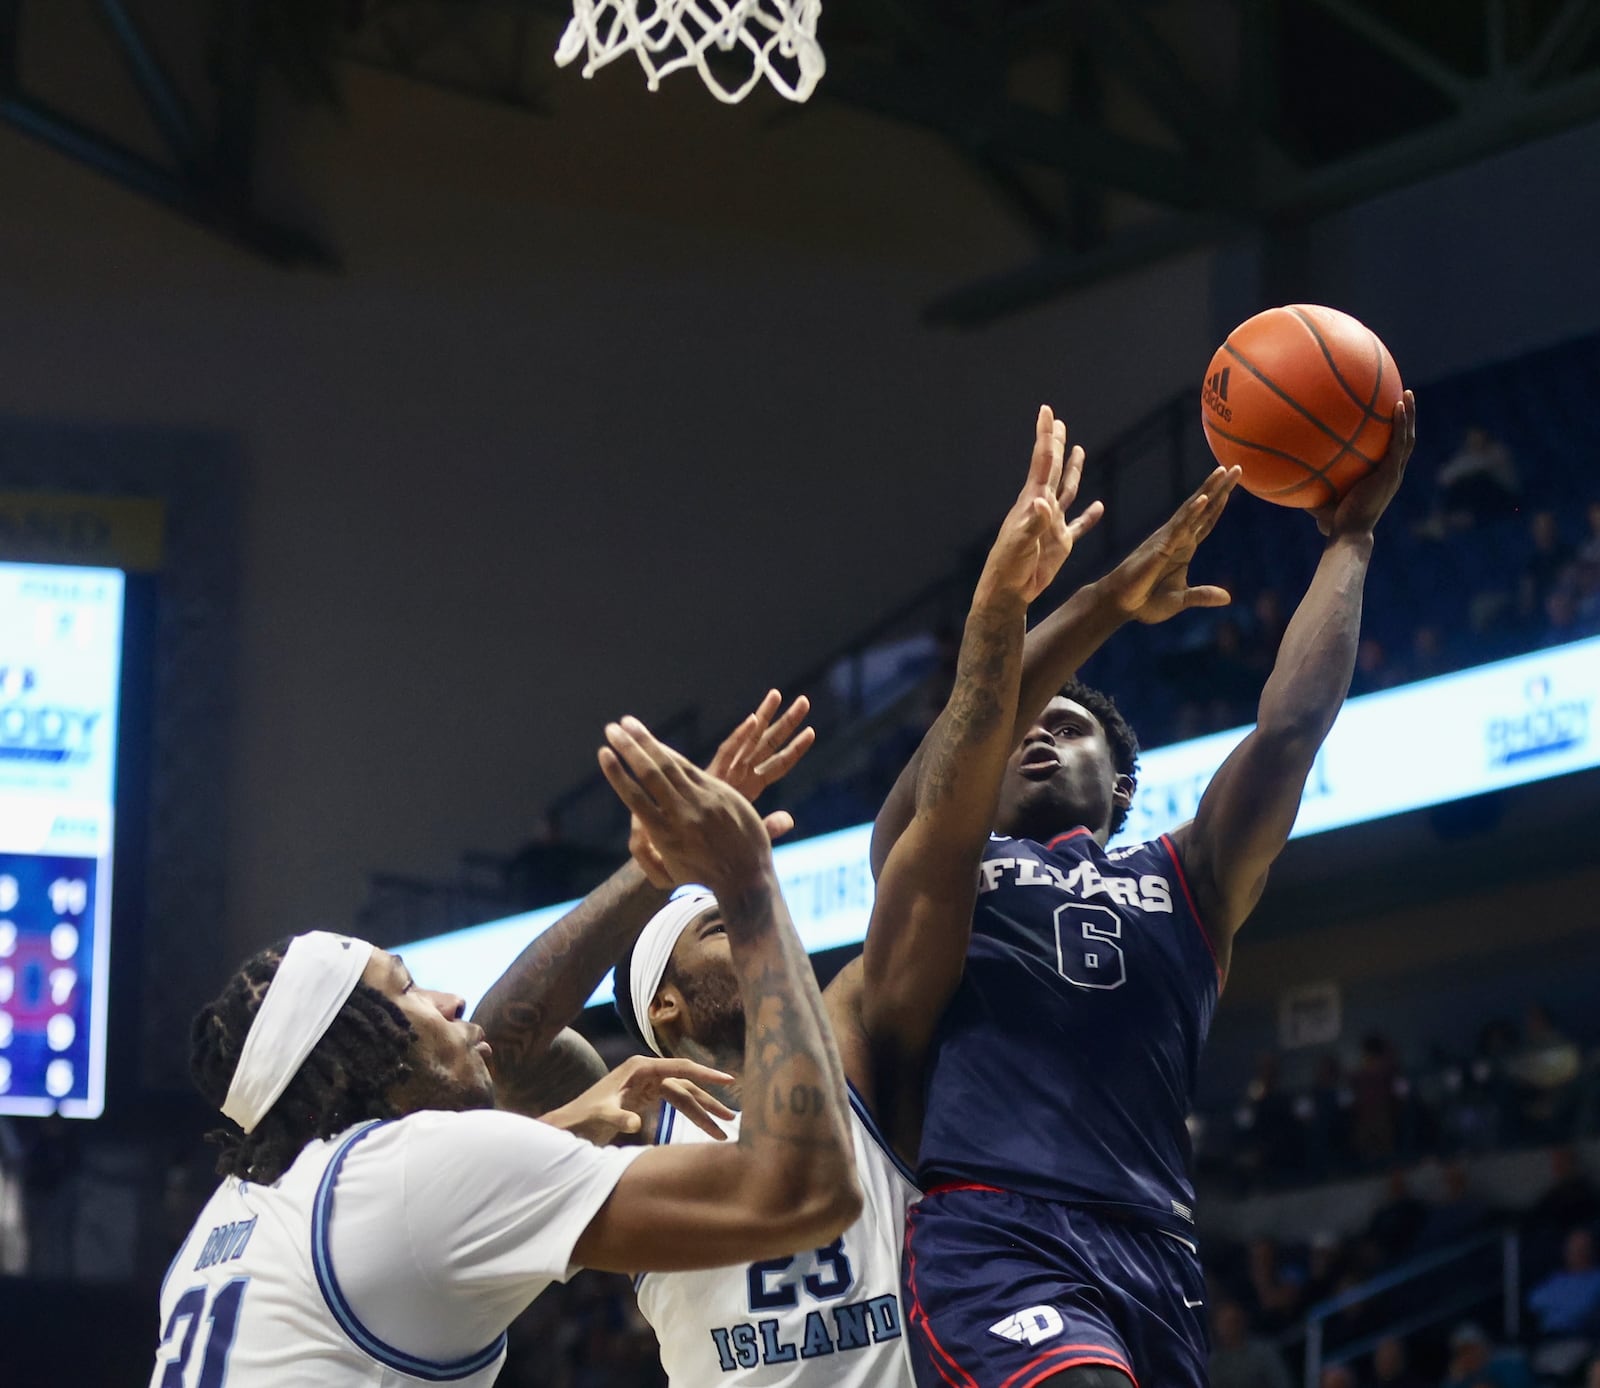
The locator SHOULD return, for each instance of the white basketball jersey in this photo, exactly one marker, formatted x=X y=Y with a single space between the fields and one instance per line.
x=392 y=1253
x=831 y=1316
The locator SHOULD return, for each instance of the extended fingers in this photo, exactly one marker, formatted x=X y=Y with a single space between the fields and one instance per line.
x=1215 y=493
x=629 y=791
x=697 y=1106
x=1071 y=472
x=1044 y=468
x=777 y=824
x=782 y=762
x=1083 y=524
x=1207 y=595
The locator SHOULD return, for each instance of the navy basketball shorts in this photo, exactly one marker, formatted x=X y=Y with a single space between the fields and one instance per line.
x=1005 y=1291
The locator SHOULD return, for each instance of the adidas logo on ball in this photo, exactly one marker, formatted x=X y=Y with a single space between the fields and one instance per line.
x=1214 y=395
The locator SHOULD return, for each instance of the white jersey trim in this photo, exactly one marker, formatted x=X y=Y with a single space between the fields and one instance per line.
x=878 y=1139
x=431 y=1371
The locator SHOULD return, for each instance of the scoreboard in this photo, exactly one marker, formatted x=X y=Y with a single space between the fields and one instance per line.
x=60 y=667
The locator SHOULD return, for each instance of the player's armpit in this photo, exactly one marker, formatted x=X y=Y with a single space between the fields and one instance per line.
x=681 y=1208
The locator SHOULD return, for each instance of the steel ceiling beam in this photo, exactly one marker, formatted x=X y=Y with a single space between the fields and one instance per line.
x=1412 y=56
x=208 y=180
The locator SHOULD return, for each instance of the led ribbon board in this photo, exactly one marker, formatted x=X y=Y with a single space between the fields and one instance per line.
x=1506 y=724
x=60 y=665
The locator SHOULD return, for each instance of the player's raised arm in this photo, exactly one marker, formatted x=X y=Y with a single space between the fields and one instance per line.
x=536 y=1068
x=789 y=1182
x=1249 y=808
x=922 y=915
x=1149 y=586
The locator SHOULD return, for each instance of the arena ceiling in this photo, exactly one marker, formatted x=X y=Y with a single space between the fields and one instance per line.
x=1119 y=132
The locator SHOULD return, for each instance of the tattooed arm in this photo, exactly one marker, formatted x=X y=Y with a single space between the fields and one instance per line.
x=922 y=917
x=569 y=1067
x=551 y=980
x=789 y=1182
x=524 y=1014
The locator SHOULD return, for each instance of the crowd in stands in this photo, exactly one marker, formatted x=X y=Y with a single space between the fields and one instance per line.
x=1260 y=1293
x=1523 y=1086
x=1520 y=1087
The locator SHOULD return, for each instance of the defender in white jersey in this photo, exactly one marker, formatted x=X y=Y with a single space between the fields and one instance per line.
x=831 y=1314
x=828 y=1314
x=378 y=1224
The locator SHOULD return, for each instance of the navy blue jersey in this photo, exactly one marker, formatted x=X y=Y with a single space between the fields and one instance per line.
x=1065 y=1064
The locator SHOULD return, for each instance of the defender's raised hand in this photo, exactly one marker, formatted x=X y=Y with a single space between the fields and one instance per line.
x=1152 y=583
x=1036 y=537
x=760 y=752
x=701 y=829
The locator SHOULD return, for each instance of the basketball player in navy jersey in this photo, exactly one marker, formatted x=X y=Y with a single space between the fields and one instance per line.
x=801 y=1321
x=1054 y=1245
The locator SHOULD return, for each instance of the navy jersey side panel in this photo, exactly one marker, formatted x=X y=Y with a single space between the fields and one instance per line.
x=1065 y=1064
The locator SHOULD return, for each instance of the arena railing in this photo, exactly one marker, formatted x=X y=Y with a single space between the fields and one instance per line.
x=1474 y=1284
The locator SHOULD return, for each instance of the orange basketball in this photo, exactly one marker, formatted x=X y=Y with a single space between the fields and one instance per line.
x=1301 y=398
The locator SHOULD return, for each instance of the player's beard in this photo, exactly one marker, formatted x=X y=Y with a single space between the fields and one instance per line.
x=716 y=1012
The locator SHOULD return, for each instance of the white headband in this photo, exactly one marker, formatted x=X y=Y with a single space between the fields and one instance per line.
x=317 y=974
x=650 y=955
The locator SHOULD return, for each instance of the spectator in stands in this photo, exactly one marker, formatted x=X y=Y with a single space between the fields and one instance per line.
x=1326 y=1138
x=1375 y=1108
x=1324 y=1267
x=1572 y=1198
x=1547 y=565
x=1458 y=1216
x=1338 y=1376
x=1479 y=483
x=1391 y=1365
x=1591 y=1378
x=1240 y=1359
x=1279 y=1297
x=1589 y=550
x=1474 y=1362
x=1373 y=670
x=1274 y=1148
x=1268 y=623
x=1545 y=1070
x=1564 y=618
x=1231 y=685
x=1396 y=1224
x=1567 y=1302
x=1427 y=657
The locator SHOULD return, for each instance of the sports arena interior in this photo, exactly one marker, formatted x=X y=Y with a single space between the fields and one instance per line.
x=385 y=408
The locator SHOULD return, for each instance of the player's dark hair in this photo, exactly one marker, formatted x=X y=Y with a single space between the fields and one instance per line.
x=1120 y=736
x=622 y=999
x=345 y=1080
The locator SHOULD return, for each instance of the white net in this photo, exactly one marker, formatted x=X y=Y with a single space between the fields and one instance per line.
x=777 y=39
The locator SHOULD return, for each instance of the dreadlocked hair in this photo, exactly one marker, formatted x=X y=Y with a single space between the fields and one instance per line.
x=345 y=1080
x=1120 y=736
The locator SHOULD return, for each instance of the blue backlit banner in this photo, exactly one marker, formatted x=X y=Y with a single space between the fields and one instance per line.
x=1506 y=724
x=60 y=667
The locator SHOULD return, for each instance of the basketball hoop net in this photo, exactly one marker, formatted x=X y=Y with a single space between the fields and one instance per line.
x=777 y=37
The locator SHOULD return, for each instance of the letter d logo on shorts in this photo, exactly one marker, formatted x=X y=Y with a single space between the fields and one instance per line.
x=1032 y=1327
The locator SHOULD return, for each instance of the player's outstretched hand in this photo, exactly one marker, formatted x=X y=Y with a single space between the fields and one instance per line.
x=1152 y=583
x=618 y=1105
x=760 y=751
x=1036 y=537
x=755 y=755
x=1357 y=511
x=699 y=828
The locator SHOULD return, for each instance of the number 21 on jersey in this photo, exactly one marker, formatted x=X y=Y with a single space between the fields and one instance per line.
x=185 y=1319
